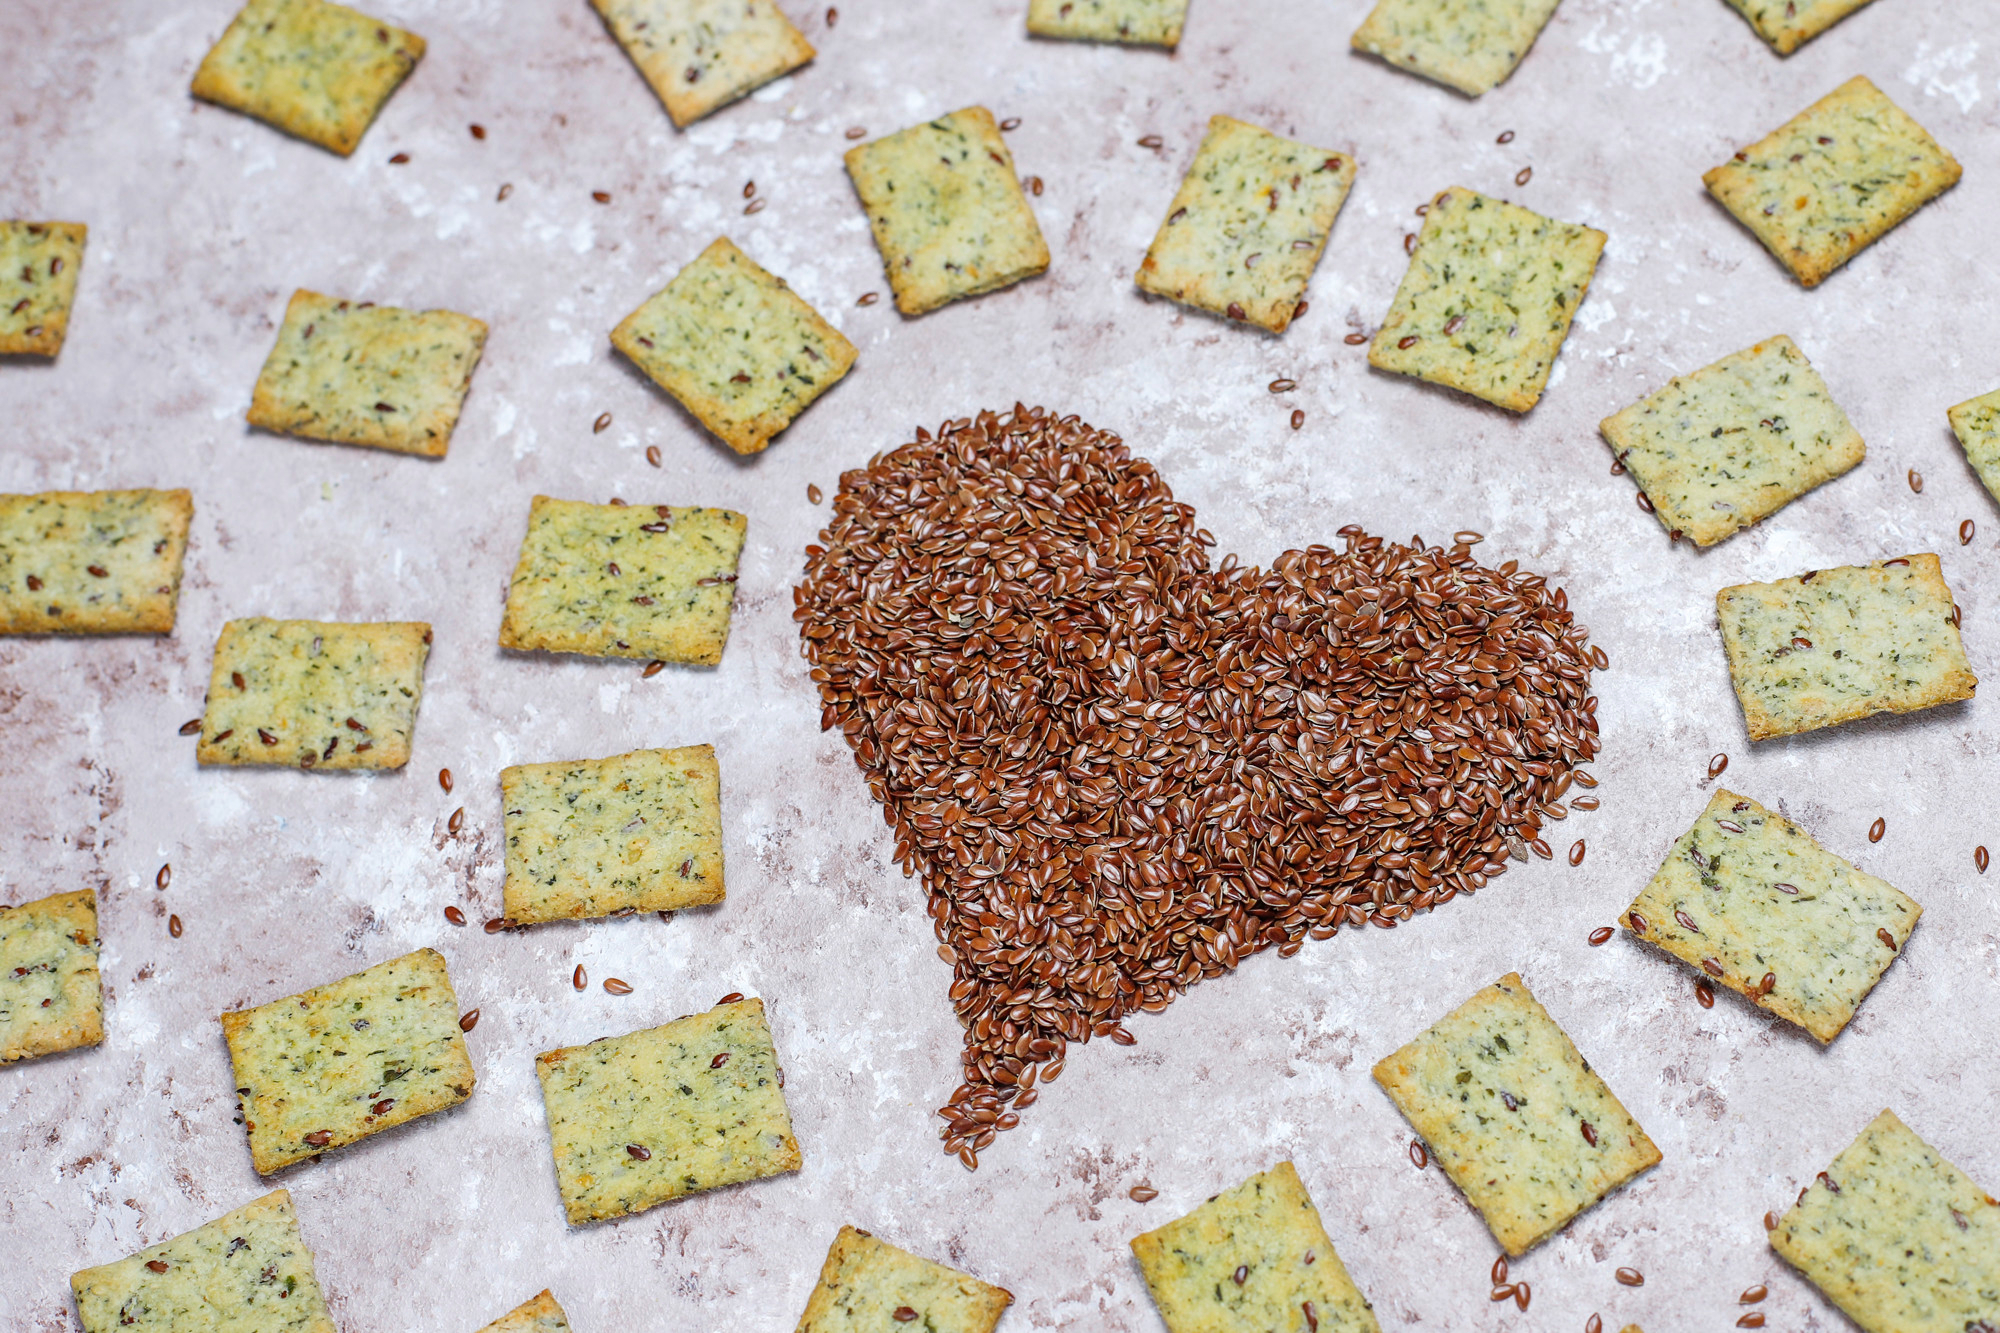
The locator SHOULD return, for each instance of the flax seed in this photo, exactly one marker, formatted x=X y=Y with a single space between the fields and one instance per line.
x=454 y=915
x=1877 y=829
x=469 y=1020
x=617 y=987
x=1142 y=1194
x=1420 y=1156
x=1630 y=1277
x=174 y=926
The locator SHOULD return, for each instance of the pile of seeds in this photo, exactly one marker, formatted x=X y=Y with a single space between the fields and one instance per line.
x=1119 y=771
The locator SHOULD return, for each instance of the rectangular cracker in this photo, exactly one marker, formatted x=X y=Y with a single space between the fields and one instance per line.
x=246 y=1272
x=51 y=998
x=1733 y=443
x=1834 y=645
x=1834 y=179
x=317 y=70
x=643 y=581
x=368 y=374
x=701 y=55
x=38 y=269
x=540 y=1315
x=700 y=1097
x=1898 y=1237
x=947 y=210
x=1267 y=1225
x=1501 y=1096
x=1789 y=24
x=1470 y=45
x=92 y=562
x=330 y=1066
x=865 y=1281
x=1747 y=894
x=1488 y=299
x=1248 y=225
x=1135 y=22
x=314 y=694
x=1976 y=422
x=735 y=346
x=639 y=832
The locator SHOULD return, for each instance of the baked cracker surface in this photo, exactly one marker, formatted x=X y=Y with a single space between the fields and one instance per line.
x=314 y=694
x=317 y=70
x=39 y=263
x=1789 y=24
x=1470 y=45
x=51 y=997
x=92 y=562
x=539 y=1315
x=1976 y=422
x=1135 y=22
x=866 y=1282
x=700 y=55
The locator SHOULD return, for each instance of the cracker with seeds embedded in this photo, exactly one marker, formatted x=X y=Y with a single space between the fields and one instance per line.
x=1517 y=1119
x=700 y=55
x=92 y=562
x=1789 y=24
x=246 y=1272
x=1733 y=443
x=866 y=1283
x=368 y=374
x=644 y=581
x=1976 y=422
x=317 y=70
x=314 y=694
x=1839 y=644
x=330 y=1066
x=540 y=1315
x=1898 y=1237
x=1470 y=45
x=1749 y=900
x=1248 y=225
x=1488 y=299
x=735 y=346
x=947 y=210
x=38 y=269
x=638 y=1120
x=1256 y=1256
x=51 y=998
x=1834 y=179
x=1134 y=22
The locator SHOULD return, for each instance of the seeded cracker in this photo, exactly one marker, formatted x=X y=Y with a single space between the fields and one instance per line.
x=1789 y=24
x=701 y=55
x=1136 y=22
x=1977 y=425
x=1267 y=1225
x=735 y=347
x=866 y=1281
x=329 y=1067
x=38 y=267
x=1248 y=225
x=1898 y=1237
x=540 y=1315
x=1839 y=644
x=636 y=832
x=368 y=374
x=1470 y=45
x=645 y=581
x=1834 y=179
x=947 y=211
x=1488 y=299
x=314 y=694
x=1765 y=900
x=317 y=70
x=1734 y=442
x=92 y=562
x=50 y=996
x=641 y=1119
x=1502 y=1097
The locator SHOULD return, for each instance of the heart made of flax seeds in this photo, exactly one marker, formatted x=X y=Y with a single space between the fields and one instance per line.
x=1119 y=771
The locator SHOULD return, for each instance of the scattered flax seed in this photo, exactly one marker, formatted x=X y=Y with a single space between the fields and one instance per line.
x=1755 y=1319
x=1584 y=803
x=1617 y=467
x=1011 y=123
x=496 y=924
x=754 y=206
x=454 y=915
x=579 y=978
x=869 y=298
x=157 y=1265
x=1980 y=859
x=1502 y=1293
x=501 y=197
x=749 y=189
x=1877 y=829
x=1576 y=852
x=444 y=779
x=653 y=668
x=639 y=1151
x=1631 y=1277
x=813 y=495
x=1035 y=186
x=904 y=1314
x=857 y=132
x=617 y=987
x=603 y=423
x=1704 y=994
x=1645 y=501
x=719 y=1061
x=1770 y=1221
x=478 y=131
x=1600 y=659
x=1600 y=935
x=1409 y=242
x=1768 y=984
x=1541 y=848
x=399 y=159
x=601 y=196
x=1282 y=385
x=1717 y=764
x=457 y=820
x=1355 y=339
x=1752 y=1295
x=1882 y=934
x=1916 y=481
x=832 y=16
x=1298 y=417
x=1299 y=310
x=469 y=1020
x=174 y=926
x=1500 y=1271
x=1506 y=136
x=653 y=454
x=1407 y=341
x=1420 y=1156
x=731 y=998
x=1142 y=1194
x=1965 y=533
x=1522 y=1294
x=166 y=876
x=1152 y=141
x=191 y=727
x=1594 y=1324
x=1524 y=175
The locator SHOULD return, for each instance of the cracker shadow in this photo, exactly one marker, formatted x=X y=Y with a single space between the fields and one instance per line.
x=1939 y=717
x=526 y=655
x=744 y=461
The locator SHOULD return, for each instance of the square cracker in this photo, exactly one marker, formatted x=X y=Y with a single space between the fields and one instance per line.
x=1834 y=645
x=1898 y=1237
x=1976 y=422
x=865 y=1281
x=1733 y=443
x=1267 y=1225
x=50 y=996
x=317 y=70
x=1502 y=1097
x=1747 y=894
x=735 y=346
x=1833 y=180
x=314 y=694
x=639 y=832
x=698 y=1098
x=1470 y=45
x=701 y=55
x=368 y=374
x=1488 y=299
x=1789 y=24
x=1138 y=22
x=947 y=210
x=38 y=268
x=330 y=1066
x=644 y=581
x=1248 y=224
x=246 y=1272
x=540 y=1315
x=92 y=562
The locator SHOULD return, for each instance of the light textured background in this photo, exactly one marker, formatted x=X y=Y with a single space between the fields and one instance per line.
x=202 y=222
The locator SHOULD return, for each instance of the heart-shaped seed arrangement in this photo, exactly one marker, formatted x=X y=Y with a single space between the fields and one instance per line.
x=1119 y=771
